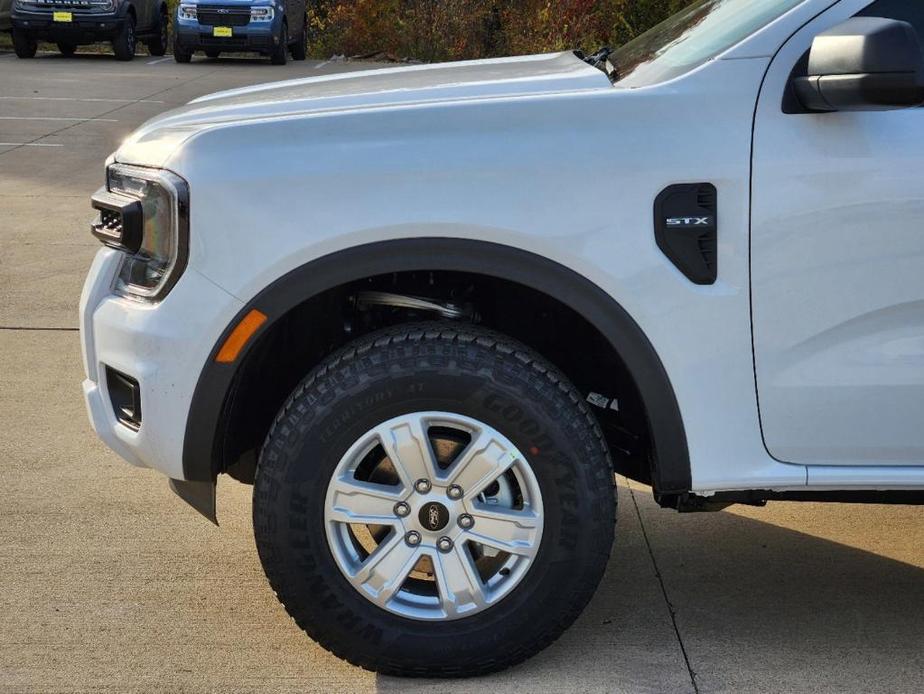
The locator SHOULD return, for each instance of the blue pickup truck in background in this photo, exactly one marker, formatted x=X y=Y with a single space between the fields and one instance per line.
x=276 y=28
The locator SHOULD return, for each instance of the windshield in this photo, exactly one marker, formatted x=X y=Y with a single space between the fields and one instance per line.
x=691 y=37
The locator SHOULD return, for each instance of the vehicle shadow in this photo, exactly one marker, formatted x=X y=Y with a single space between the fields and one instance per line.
x=100 y=53
x=758 y=607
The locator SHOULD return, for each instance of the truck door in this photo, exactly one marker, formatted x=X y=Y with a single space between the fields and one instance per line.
x=837 y=261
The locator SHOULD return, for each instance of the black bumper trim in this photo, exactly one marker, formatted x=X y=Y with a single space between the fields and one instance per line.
x=80 y=30
x=254 y=42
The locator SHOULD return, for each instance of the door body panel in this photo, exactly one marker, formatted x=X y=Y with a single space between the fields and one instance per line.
x=838 y=276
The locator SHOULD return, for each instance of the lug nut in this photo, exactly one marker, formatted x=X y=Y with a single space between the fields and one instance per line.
x=455 y=492
x=444 y=544
x=402 y=509
x=422 y=486
x=412 y=538
x=465 y=521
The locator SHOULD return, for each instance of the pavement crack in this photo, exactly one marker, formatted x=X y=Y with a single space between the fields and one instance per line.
x=667 y=601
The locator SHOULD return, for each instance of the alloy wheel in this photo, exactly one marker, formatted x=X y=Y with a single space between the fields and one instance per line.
x=434 y=516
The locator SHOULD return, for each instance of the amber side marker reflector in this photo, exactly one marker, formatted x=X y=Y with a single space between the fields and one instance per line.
x=242 y=332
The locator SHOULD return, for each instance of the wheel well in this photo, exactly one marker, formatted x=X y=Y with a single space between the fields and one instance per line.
x=305 y=335
x=314 y=309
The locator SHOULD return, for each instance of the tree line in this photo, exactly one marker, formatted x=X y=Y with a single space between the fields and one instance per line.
x=434 y=30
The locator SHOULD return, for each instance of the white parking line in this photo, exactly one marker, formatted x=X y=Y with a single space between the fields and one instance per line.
x=27 y=144
x=159 y=60
x=69 y=98
x=318 y=67
x=69 y=120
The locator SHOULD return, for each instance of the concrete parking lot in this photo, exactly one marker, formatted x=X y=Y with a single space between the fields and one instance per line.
x=109 y=583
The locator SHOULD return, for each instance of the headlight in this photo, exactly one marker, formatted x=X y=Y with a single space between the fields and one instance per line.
x=261 y=14
x=188 y=12
x=155 y=254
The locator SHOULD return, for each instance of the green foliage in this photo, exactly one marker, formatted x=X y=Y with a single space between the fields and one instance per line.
x=434 y=30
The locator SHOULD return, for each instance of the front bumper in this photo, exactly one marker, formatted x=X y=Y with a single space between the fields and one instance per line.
x=162 y=346
x=84 y=28
x=260 y=37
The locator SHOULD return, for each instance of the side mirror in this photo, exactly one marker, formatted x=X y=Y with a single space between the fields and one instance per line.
x=864 y=64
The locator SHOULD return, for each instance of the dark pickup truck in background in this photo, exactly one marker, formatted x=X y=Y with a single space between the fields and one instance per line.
x=72 y=23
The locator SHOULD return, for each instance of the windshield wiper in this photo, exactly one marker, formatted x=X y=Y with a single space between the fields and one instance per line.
x=600 y=60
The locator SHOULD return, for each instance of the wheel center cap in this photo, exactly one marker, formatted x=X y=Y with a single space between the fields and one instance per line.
x=433 y=516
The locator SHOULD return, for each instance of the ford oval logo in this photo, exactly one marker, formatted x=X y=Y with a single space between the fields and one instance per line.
x=433 y=516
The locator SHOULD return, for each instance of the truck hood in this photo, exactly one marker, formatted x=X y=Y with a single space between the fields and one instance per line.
x=154 y=141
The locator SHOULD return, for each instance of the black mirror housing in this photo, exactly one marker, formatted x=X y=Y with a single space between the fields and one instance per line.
x=864 y=64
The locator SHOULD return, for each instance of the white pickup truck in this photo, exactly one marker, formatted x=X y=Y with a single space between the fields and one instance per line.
x=428 y=311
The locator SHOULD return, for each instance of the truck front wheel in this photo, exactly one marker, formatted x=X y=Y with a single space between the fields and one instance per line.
x=158 y=45
x=181 y=53
x=24 y=45
x=299 y=49
x=278 y=52
x=434 y=500
x=123 y=45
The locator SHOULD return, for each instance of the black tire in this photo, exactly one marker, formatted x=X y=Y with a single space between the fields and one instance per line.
x=212 y=53
x=67 y=49
x=24 y=45
x=158 y=45
x=472 y=372
x=125 y=42
x=299 y=49
x=181 y=53
x=279 y=52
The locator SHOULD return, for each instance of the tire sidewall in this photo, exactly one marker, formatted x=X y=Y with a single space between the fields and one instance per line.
x=299 y=49
x=126 y=43
x=24 y=44
x=181 y=53
x=334 y=412
x=279 y=52
x=158 y=46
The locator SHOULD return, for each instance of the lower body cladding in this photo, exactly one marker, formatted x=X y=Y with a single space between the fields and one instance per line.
x=256 y=38
x=138 y=401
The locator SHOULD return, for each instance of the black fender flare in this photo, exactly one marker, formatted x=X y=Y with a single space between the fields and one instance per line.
x=671 y=460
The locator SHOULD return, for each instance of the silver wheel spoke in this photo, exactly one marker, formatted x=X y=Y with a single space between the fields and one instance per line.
x=362 y=502
x=510 y=531
x=385 y=570
x=408 y=447
x=457 y=581
x=483 y=461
